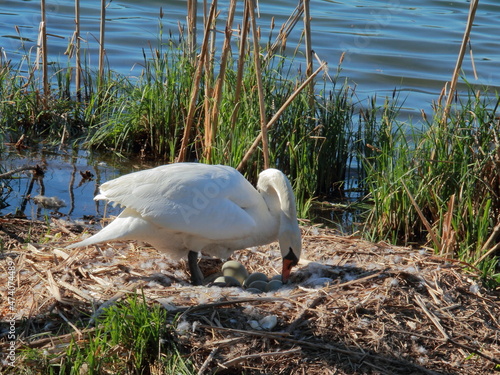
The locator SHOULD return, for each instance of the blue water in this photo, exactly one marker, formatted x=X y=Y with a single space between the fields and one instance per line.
x=410 y=46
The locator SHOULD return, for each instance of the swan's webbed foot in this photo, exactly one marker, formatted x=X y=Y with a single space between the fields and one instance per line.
x=196 y=274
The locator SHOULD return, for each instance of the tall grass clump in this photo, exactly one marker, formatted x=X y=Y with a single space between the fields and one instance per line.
x=129 y=338
x=441 y=184
x=26 y=110
x=150 y=114
x=145 y=115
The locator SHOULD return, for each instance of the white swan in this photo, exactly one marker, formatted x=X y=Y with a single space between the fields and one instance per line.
x=186 y=208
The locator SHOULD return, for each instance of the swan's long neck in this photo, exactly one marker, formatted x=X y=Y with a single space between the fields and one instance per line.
x=278 y=194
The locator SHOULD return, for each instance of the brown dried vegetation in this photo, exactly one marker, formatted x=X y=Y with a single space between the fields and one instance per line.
x=352 y=306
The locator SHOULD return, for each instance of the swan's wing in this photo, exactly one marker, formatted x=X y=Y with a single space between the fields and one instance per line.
x=214 y=202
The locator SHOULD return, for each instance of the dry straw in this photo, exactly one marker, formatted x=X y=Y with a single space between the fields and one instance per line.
x=385 y=309
x=456 y=72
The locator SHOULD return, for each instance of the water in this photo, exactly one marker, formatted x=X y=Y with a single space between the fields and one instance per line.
x=410 y=46
x=62 y=179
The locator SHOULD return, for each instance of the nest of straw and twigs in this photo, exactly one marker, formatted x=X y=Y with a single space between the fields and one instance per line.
x=352 y=306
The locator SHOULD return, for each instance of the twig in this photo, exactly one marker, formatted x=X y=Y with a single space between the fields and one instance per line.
x=355 y=281
x=243 y=358
x=271 y=122
x=35 y=168
x=207 y=361
x=80 y=334
x=57 y=340
x=432 y=317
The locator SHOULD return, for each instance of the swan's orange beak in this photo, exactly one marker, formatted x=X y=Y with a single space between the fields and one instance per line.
x=288 y=262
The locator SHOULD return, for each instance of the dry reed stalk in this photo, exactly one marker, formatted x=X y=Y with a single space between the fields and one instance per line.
x=44 y=53
x=234 y=361
x=426 y=223
x=258 y=72
x=214 y=117
x=207 y=98
x=101 y=41
x=194 y=92
x=191 y=22
x=271 y=122
x=448 y=240
x=209 y=78
x=241 y=65
x=285 y=30
x=78 y=68
x=458 y=66
x=489 y=244
x=309 y=50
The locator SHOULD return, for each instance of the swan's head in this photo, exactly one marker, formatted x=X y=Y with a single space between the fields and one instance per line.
x=290 y=246
x=278 y=195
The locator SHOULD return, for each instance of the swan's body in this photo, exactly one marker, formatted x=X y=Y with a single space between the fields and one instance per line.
x=186 y=208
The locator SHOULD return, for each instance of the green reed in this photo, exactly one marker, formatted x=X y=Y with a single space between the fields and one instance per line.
x=440 y=184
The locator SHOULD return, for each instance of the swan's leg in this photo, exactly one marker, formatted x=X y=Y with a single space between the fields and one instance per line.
x=196 y=275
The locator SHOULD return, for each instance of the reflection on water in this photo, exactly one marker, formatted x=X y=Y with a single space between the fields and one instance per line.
x=70 y=176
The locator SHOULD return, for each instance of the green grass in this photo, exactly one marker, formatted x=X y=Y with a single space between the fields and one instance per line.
x=130 y=337
x=439 y=185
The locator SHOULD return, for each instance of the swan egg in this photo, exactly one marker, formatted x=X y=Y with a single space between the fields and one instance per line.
x=235 y=269
x=273 y=285
x=254 y=277
x=258 y=284
x=226 y=281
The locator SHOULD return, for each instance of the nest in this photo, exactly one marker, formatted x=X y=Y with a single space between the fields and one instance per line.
x=351 y=307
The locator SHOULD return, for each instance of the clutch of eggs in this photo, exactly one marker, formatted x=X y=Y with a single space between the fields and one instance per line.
x=235 y=274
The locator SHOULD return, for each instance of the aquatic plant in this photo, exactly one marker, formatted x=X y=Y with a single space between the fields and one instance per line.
x=440 y=184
